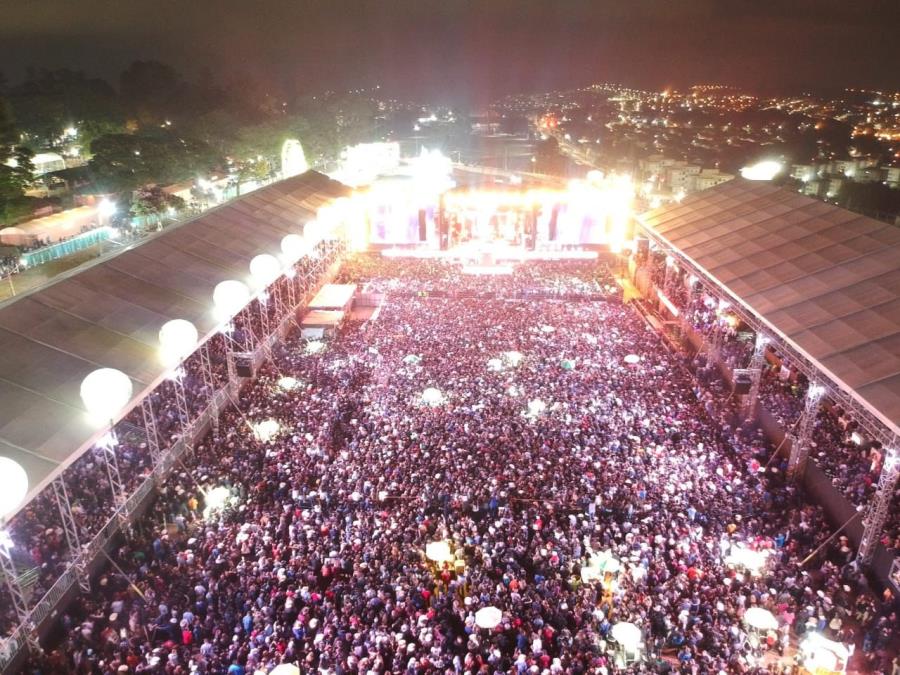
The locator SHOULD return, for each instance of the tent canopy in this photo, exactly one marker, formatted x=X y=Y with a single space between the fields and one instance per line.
x=108 y=314
x=824 y=278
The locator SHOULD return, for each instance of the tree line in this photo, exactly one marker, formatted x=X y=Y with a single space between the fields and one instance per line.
x=156 y=127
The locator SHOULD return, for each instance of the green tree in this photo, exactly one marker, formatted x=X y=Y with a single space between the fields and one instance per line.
x=151 y=204
x=49 y=101
x=149 y=91
x=16 y=169
x=124 y=162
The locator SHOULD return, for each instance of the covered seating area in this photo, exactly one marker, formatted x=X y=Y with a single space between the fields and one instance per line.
x=787 y=295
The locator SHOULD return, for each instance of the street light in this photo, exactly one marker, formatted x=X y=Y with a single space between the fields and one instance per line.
x=106 y=208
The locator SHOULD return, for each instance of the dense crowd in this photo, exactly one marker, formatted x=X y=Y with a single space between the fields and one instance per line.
x=440 y=276
x=517 y=431
x=853 y=462
x=41 y=551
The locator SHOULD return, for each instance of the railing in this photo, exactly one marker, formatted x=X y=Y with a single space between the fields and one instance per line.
x=11 y=646
x=64 y=248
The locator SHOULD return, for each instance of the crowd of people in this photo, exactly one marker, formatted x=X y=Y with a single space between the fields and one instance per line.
x=573 y=279
x=41 y=550
x=535 y=436
x=840 y=447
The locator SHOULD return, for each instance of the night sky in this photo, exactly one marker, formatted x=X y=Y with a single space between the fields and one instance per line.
x=469 y=52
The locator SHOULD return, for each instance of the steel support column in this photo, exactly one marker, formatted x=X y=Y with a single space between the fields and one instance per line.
x=879 y=507
x=184 y=412
x=210 y=381
x=151 y=429
x=70 y=527
x=11 y=578
x=108 y=445
x=757 y=361
x=802 y=437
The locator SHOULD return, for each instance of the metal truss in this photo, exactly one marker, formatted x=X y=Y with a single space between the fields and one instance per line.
x=802 y=436
x=875 y=427
x=72 y=532
x=11 y=577
x=151 y=429
x=757 y=361
x=108 y=445
x=880 y=507
x=184 y=412
x=206 y=366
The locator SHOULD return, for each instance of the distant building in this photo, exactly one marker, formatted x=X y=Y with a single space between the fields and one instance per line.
x=681 y=176
x=709 y=178
x=892 y=176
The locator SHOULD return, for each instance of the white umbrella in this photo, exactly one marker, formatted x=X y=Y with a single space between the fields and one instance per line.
x=631 y=359
x=488 y=617
x=285 y=669
x=761 y=619
x=627 y=634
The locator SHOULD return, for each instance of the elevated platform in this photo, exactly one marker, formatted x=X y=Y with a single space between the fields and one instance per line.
x=334 y=297
x=321 y=323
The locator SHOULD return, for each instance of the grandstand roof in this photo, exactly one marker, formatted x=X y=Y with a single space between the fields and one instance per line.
x=108 y=314
x=825 y=279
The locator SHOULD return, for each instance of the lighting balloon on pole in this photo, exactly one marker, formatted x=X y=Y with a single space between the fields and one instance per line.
x=265 y=269
x=177 y=340
x=230 y=297
x=104 y=393
x=293 y=247
x=13 y=486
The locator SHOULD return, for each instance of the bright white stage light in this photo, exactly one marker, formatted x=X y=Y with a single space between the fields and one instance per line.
x=177 y=340
x=536 y=407
x=215 y=500
x=266 y=430
x=315 y=346
x=288 y=383
x=765 y=170
x=627 y=634
x=230 y=297
x=104 y=393
x=752 y=561
x=265 y=269
x=432 y=397
x=438 y=551
x=13 y=485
